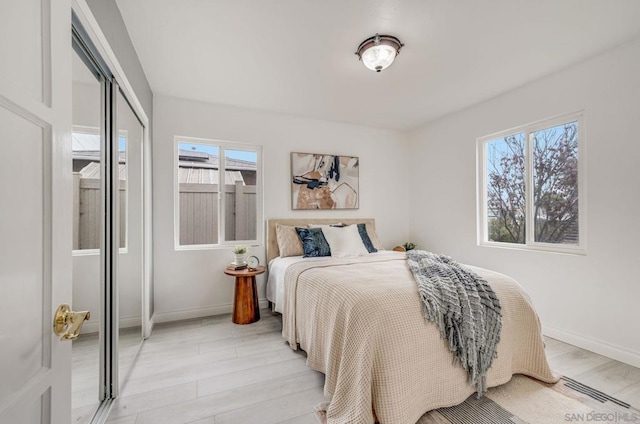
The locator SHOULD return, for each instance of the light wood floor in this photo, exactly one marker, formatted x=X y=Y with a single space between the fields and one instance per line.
x=211 y=371
x=85 y=377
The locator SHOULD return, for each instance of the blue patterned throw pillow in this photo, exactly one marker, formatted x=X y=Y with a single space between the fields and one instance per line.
x=313 y=242
x=362 y=229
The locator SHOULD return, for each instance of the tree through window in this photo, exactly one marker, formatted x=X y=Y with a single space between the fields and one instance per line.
x=531 y=184
x=506 y=189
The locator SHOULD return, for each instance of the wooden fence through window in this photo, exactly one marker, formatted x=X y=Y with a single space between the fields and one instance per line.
x=198 y=213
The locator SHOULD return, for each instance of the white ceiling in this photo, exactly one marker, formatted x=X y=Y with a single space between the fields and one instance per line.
x=297 y=56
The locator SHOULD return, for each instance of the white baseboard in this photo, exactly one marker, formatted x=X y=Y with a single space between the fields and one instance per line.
x=89 y=327
x=192 y=313
x=594 y=345
x=149 y=327
x=92 y=327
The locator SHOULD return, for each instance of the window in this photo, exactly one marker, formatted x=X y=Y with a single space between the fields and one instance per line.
x=531 y=189
x=87 y=188
x=217 y=201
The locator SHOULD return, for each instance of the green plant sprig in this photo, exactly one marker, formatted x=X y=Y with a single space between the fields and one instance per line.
x=240 y=249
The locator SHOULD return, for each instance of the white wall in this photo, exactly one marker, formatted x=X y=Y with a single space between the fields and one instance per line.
x=590 y=301
x=191 y=283
x=108 y=15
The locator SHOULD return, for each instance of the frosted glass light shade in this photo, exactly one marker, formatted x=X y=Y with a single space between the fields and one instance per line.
x=378 y=52
x=379 y=57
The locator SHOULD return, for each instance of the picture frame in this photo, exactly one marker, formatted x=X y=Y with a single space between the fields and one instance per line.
x=324 y=181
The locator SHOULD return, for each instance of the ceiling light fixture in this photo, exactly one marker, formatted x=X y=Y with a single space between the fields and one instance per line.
x=378 y=52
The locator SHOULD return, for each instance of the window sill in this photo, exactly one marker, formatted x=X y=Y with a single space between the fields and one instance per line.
x=94 y=252
x=546 y=248
x=179 y=248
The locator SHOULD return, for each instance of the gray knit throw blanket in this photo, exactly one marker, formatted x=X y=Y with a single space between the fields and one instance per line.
x=465 y=309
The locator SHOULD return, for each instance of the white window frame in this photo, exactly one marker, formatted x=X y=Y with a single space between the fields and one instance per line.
x=222 y=147
x=482 y=197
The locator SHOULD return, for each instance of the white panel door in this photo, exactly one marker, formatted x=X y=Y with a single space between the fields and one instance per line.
x=35 y=198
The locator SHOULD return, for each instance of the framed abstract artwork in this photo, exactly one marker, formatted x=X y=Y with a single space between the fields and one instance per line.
x=321 y=181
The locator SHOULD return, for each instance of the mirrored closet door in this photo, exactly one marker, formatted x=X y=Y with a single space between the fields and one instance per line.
x=108 y=238
x=130 y=260
x=88 y=152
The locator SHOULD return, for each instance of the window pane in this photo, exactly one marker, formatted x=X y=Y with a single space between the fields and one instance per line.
x=198 y=193
x=87 y=157
x=555 y=184
x=241 y=195
x=506 y=189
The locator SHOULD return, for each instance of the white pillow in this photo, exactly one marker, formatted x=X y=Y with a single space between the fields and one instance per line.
x=344 y=242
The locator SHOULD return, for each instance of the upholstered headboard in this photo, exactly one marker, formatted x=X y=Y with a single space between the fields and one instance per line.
x=272 y=243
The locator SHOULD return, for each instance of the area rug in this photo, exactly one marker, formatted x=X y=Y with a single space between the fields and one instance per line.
x=525 y=400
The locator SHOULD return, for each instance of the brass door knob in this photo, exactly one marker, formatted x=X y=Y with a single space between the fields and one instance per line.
x=67 y=323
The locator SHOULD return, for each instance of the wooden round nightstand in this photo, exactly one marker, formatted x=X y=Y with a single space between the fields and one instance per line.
x=245 y=305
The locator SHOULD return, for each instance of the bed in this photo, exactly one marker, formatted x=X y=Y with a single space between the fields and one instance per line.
x=360 y=322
